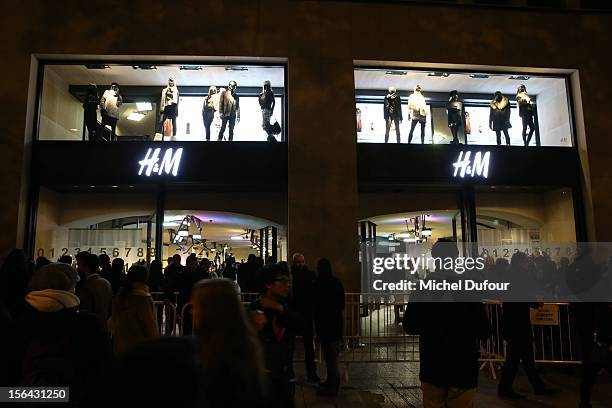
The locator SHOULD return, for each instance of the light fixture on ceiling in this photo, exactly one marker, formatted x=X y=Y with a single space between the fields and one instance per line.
x=396 y=73
x=479 y=76
x=144 y=106
x=145 y=67
x=236 y=69
x=197 y=236
x=237 y=238
x=191 y=67
x=426 y=232
x=439 y=74
x=170 y=224
x=74 y=130
x=183 y=233
x=114 y=186
x=97 y=66
x=135 y=116
x=519 y=77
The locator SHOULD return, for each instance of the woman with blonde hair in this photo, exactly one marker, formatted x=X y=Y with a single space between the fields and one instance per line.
x=231 y=355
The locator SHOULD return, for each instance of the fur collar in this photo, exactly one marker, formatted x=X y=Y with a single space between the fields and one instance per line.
x=501 y=105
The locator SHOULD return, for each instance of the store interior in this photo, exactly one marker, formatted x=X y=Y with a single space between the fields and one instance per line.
x=548 y=93
x=64 y=89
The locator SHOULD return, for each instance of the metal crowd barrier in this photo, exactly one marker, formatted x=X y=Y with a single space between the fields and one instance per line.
x=166 y=317
x=373 y=332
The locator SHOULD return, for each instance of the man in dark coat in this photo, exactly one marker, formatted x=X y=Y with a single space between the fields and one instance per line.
x=302 y=303
x=329 y=304
x=448 y=340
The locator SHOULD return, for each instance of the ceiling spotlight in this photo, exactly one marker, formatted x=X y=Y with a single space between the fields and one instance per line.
x=519 y=77
x=396 y=73
x=237 y=238
x=438 y=74
x=144 y=67
x=191 y=67
x=183 y=233
x=426 y=232
x=236 y=69
x=97 y=66
x=479 y=76
x=197 y=236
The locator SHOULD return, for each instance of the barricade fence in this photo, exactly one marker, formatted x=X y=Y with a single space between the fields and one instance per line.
x=373 y=331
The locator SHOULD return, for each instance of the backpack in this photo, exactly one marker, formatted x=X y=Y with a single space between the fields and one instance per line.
x=48 y=364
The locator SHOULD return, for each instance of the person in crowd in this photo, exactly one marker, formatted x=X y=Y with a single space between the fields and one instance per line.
x=155 y=276
x=192 y=274
x=276 y=323
x=67 y=259
x=449 y=336
x=229 y=271
x=133 y=317
x=40 y=262
x=105 y=267
x=172 y=276
x=594 y=331
x=14 y=275
x=228 y=344
x=94 y=292
x=246 y=274
x=328 y=299
x=117 y=274
x=53 y=343
x=302 y=302
x=516 y=330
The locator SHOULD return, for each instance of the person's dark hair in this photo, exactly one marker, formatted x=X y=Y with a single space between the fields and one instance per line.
x=40 y=262
x=519 y=260
x=67 y=259
x=284 y=265
x=228 y=344
x=444 y=248
x=324 y=268
x=104 y=259
x=252 y=258
x=136 y=274
x=81 y=255
x=268 y=274
x=118 y=264
x=156 y=267
x=91 y=262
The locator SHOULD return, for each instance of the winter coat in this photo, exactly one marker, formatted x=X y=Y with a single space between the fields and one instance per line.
x=227 y=105
x=169 y=96
x=524 y=104
x=110 y=103
x=393 y=106
x=329 y=304
x=499 y=118
x=454 y=109
x=134 y=318
x=449 y=336
x=417 y=107
x=266 y=100
x=96 y=296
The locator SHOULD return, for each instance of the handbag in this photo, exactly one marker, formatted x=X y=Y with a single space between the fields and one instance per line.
x=275 y=128
x=167 y=128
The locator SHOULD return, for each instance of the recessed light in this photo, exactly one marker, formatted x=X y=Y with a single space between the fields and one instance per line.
x=131 y=186
x=135 y=116
x=438 y=74
x=479 y=76
x=114 y=186
x=97 y=66
x=74 y=130
x=144 y=66
x=92 y=186
x=396 y=73
x=144 y=106
x=519 y=77
x=75 y=186
x=236 y=69
x=191 y=67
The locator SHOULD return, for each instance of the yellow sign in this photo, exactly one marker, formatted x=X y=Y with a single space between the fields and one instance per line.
x=547 y=315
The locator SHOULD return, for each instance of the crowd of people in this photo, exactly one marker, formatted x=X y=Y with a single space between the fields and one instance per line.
x=86 y=324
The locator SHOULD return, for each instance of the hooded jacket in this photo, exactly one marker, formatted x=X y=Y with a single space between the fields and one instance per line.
x=499 y=118
x=417 y=107
x=134 y=318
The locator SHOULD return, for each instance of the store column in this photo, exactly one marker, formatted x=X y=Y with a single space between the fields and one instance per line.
x=322 y=165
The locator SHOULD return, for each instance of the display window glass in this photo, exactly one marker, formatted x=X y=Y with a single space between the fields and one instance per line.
x=118 y=102
x=538 y=221
x=72 y=219
x=462 y=107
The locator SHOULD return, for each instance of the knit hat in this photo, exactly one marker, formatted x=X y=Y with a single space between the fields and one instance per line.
x=59 y=276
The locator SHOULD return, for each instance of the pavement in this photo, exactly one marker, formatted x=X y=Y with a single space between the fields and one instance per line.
x=390 y=385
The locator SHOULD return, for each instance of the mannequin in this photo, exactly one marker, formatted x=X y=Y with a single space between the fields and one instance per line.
x=208 y=110
x=227 y=110
x=232 y=116
x=90 y=106
x=417 y=112
x=525 y=112
x=266 y=103
x=169 y=104
x=393 y=112
x=109 y=107
x=499 y=118
x=454 y=111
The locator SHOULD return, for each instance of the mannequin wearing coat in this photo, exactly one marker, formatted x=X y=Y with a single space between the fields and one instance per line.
x=525 y=112
x=209 y=109
x=109 y=108
x=392 y=112
x=417 y=111
x=454 y=111
x=499 y=118
x=169 y=104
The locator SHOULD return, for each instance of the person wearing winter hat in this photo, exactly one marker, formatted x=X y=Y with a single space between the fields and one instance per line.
x=53 y=343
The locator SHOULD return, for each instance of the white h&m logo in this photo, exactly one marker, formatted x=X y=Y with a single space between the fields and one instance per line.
x=169 y=164
x=465 y=166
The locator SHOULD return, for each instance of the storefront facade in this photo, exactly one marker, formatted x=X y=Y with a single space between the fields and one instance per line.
x=318 y=181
